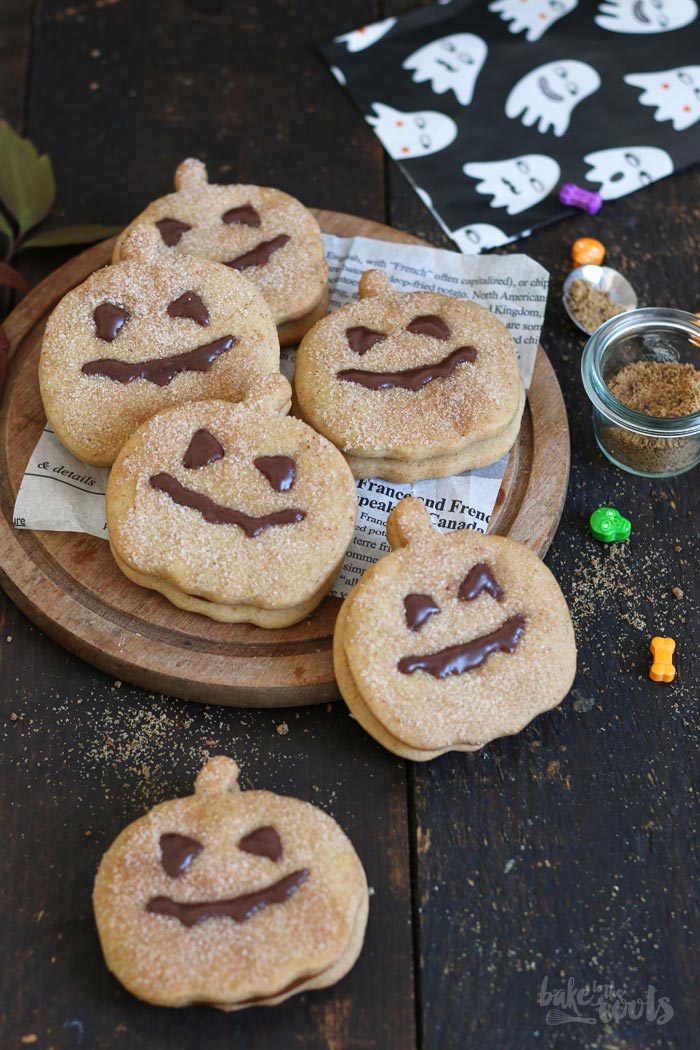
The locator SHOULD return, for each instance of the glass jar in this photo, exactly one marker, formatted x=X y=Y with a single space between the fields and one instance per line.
x=650 y=446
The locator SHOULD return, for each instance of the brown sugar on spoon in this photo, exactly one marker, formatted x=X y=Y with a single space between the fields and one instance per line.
x=590 y=306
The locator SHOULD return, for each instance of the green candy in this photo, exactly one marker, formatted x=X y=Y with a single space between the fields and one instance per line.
x=608 y=525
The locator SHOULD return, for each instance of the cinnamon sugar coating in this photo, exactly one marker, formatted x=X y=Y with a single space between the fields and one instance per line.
x=293 y=280
x=94 y=414
x=272 y=577
x=418 y=715
x=308 y=940
x=465 y=413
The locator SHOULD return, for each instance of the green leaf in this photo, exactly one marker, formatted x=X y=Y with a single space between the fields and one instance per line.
x=10 y=277
x=71 y=235
x=27 y=186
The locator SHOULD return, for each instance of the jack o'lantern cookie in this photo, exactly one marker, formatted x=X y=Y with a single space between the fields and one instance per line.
x=230 y=898
x=238 y=512
x=451 y=640
x=152 y=331
x=262 y=232
x=411 y=385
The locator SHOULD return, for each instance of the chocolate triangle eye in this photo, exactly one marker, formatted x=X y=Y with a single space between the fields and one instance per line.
x=191 y=306
x=429 y=324
x=418 y=608
x=171 y=230
x=280 y=471
x=246 y=215
x=263 y=842
x=202 y=450
x=479 y=579
x=177 y=853
x=109 y=320
x=361 y=339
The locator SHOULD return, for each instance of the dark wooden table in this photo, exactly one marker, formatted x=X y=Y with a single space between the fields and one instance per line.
x=568 y=852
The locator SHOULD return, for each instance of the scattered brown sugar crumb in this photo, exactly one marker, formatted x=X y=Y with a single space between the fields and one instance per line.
x=677 y=592
x=658 y=388
x=590 y=306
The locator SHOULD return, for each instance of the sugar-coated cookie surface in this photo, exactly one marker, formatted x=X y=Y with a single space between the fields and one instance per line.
x=239 y=512
x=264 y=233
x=155 y=330
x=451 y=641
x=230 y=898
x=411 y=385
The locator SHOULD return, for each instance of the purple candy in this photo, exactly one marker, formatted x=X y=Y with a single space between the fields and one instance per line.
x=577 y=197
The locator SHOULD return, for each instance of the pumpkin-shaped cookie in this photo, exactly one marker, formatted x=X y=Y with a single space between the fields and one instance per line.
x=239 y=512
x=228 y=897
x=262 y=232
x=152 y=331
x=451 y=641
x=411 y=385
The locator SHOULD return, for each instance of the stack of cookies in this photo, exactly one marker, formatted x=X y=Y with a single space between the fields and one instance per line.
x=231 y=898
x=411 y=385
x=165 y=366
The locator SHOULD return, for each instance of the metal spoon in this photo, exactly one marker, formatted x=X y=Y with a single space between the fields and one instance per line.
x=606 y=280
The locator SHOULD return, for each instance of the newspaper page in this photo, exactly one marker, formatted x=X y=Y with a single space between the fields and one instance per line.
x=60 y=493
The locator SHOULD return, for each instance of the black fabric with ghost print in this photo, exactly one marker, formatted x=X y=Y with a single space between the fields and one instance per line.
x=494 y=86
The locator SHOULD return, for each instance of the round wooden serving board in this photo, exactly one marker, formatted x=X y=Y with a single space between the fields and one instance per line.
x=68 y=584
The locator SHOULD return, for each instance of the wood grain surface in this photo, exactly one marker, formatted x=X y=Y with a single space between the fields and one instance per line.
x=567 y=852
x=69 y=585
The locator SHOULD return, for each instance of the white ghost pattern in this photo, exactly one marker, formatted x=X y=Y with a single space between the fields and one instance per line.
x=548 y=95
x=364 y=37
x=646 y=16
x=424 y=196
x=408 y=135
x=451 y=63
x=534 y=16
x=626 y=168
x=518 y=183
x=674 y=92
x=478 y=237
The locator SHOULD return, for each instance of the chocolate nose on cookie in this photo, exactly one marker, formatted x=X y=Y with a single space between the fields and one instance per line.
x=662 y=669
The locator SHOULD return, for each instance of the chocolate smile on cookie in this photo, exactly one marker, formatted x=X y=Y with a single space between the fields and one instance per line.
x=438 y=390
x=160 y=370
x=261 y=254
x=496 y=643
x=216 y=513
x=234 y=511
x=409 y=378
x=260 y=231
x=240 y=908
x=129 y=342
x=230 y=898
x=456 y=659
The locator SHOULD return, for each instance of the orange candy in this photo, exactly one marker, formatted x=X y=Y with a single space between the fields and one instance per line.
x=695 y=340
x=662 y=669
x=586 y=250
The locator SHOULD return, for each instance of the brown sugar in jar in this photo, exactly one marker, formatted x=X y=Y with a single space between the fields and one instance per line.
x=658 y=388
x=641 y=371
x=662 y=389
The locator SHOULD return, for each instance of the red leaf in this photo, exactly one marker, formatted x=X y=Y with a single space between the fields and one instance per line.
x=12 y=278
